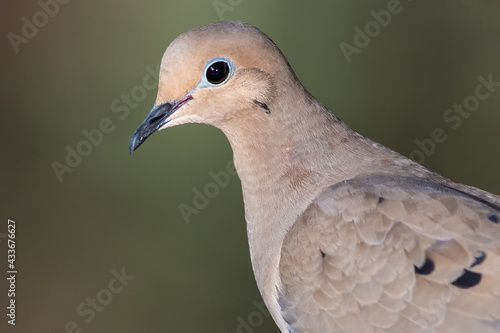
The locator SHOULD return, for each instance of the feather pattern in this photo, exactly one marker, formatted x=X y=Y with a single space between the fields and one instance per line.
x=392 y=254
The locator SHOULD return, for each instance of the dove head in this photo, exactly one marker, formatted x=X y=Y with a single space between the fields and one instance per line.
x=216 y=74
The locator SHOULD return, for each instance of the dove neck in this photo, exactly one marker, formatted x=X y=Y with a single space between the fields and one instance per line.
x=289 y=152
x=284 y=159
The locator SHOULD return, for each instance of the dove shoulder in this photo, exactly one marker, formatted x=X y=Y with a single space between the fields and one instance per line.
x=393 y=254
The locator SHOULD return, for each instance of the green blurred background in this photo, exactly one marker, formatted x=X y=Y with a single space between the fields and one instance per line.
x=114 y=211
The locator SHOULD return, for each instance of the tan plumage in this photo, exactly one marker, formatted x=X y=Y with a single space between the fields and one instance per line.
x=397 y=223
x=345 y=235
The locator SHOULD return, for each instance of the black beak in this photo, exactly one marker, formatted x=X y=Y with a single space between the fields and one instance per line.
x=157 y=117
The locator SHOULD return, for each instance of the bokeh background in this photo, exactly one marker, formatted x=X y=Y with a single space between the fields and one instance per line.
x=117 y=212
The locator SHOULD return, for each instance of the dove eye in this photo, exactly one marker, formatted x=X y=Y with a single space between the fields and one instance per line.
x=218 y=71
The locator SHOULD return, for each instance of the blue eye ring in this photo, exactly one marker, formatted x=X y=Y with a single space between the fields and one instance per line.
x=218 y=71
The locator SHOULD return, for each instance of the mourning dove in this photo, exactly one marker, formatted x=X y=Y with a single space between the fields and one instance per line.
x=345 y=234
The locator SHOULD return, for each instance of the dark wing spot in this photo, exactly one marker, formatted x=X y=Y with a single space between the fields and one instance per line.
x=322 y=254
x=426 y=269
x=467 y=279
x=479 y=259
x=493 y=218
x=380 y=200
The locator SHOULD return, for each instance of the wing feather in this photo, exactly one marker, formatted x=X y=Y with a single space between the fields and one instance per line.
x=386 y=254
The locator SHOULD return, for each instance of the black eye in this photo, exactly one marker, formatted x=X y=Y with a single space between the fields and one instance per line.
x=217 y=72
